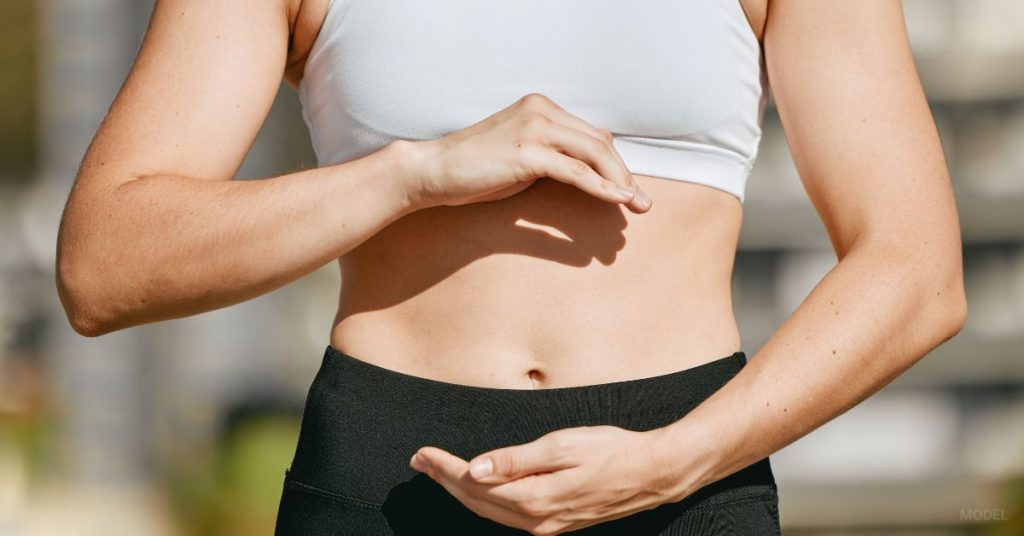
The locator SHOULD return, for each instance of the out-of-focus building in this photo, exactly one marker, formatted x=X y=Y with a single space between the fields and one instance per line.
x=145 y=431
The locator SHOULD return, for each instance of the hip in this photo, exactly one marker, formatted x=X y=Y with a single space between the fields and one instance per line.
x=362 y=423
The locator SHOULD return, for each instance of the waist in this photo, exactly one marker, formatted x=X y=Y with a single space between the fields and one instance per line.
x=346 y=448
x=547 y=288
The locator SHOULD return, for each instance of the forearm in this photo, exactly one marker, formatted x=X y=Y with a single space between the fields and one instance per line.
x=878 y=311
x=163 y=247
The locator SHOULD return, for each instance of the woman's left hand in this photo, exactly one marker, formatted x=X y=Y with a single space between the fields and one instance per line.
x=563 y=481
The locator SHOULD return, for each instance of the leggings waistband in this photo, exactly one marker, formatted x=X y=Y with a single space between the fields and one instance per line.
x=636 y=404
x=363 y=422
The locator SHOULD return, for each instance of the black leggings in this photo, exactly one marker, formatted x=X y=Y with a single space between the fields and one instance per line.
x=363 y=422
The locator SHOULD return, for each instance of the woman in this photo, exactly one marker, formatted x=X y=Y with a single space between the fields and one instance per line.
x=513 y=351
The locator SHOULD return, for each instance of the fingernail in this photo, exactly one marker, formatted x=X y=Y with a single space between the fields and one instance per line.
x=415 y=462
x=645 y=201
x=624 y=191
x=482 y=468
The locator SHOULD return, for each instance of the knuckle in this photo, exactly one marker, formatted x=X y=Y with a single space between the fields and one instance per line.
x=607 y=134
x=533 y=123
x=578 y=167
x=534 y=507
x=563 y=446
x=599 y=145
x=534 y=100
x=512 y=464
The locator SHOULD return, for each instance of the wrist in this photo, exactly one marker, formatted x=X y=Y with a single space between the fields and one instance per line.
x=408 y=163
x=682 y=457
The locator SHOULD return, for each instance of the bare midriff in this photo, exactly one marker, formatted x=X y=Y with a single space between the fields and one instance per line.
x=548 y=288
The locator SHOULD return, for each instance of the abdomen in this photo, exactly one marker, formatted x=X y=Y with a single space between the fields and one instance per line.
x=550 y=287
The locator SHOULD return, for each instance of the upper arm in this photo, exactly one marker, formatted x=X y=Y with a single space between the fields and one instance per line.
x=857 y=123
x=197 y=94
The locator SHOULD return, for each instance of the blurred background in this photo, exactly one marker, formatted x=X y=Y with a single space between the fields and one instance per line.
x=186 y=426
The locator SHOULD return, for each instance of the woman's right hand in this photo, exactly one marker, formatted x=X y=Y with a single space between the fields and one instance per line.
x=505 y=153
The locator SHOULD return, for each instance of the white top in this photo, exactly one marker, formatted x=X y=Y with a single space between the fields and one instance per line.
x=680 y=83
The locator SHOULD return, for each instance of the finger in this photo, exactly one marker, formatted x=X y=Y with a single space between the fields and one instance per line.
x=562 y=116
x=514 y=494
x=547 y=453
x=597 y=153
x=593 y=150
x=460 y=485
x=536 y=103
x=509 y=503
x=564 y=168
x=542 y=104
x=441 y=461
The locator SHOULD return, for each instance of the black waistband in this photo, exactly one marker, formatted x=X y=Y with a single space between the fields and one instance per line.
x=363 y=422
x=635 y=403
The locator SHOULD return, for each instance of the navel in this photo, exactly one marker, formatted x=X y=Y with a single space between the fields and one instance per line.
x=536 y=376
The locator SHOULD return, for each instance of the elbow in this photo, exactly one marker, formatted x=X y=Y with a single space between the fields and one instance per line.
x=88 y=288
x=87 y=326
x=952 y=302
x=81 y=297
x=957 y=315
x=80 y=306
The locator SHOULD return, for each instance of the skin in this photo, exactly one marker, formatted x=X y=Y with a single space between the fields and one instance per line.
x=874 y=170
x=156 y=229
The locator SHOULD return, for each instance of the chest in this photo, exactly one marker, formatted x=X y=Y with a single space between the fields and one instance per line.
x=420 y=70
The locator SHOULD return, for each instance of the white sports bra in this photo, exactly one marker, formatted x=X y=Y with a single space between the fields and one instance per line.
x=680 y=84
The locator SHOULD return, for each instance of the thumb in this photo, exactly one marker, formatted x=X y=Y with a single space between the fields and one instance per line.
x=510 y=463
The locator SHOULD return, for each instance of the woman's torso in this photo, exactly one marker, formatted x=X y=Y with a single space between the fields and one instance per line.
x=548 y=288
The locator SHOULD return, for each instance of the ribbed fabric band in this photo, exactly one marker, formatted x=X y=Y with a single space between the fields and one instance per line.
x=635 y=404
x=685 y=161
